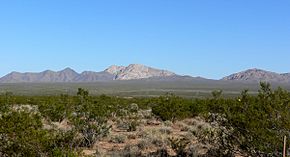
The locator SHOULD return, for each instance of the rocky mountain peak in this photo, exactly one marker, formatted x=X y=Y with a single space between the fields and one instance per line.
x=139 y=71
x=114 y=69
x=48 y=71
x=136 y=71
x=257 y=75
x=136 y=66
x=67 y=70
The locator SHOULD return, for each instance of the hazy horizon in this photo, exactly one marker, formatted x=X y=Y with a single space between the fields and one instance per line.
x=211 y=39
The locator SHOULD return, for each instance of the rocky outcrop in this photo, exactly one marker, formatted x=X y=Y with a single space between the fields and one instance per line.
x=114 y=69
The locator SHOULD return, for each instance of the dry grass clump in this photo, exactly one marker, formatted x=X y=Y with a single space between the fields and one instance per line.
x=168 y=123
x=122 y=125
x=145 y=114
x=182 y=126
x=118 y=139
x=152 y=122
x=152 y=138
x=144 y=144
x=131 y=151
x=132 y=136
x=189 y=136
x=146 y=131
x=165 y=130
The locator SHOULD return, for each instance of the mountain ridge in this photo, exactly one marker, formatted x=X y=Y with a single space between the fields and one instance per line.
x=131 y=72
x=135 y=72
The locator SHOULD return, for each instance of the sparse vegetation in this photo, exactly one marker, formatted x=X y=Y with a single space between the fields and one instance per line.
x=169 y=125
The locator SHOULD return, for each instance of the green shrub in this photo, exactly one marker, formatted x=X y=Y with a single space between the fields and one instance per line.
x=171 y=107
x=91 y=129
x=60 y=152
x=21 y=134
x=255 y=124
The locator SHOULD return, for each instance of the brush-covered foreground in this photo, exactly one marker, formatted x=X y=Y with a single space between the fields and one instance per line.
x=169 y=125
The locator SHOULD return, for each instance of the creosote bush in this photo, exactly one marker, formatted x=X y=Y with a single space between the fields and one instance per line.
x=171 y=107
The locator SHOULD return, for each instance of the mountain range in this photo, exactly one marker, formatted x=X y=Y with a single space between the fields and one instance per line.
x=131 y=72
x=134 y=72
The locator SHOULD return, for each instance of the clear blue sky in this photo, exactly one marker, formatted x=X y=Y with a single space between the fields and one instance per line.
x=209 y=38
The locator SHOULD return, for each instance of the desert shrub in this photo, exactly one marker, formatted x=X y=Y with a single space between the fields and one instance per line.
x=171 y=107
x=189 y=136
x=198 y=107
x=179 y=146
x=55 y=112
x=132 y=125
x=91 y=129
x=133 y=108
x=217 y=94
x=168 y=123
x=144 y=144
x=218 y=152
x=8 y=98
x=158 y=142
x=57 y=108
x=182 y=126
x=121 y=124
x=118 y=139
x=132 y=136
x=193 y=151
x=21 y=134
x=66 y=140
x=165 y=130
x=145 y=114
x=128 y=125
x=59 y=152
x=255 y=124
x=161 y=152
x=89 y=118
x=83 y=94
x=131 y=151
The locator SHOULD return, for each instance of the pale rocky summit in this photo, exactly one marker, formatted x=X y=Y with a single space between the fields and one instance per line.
x=114 y=69
x=138 y=71
x=258 y=75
